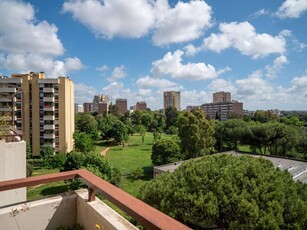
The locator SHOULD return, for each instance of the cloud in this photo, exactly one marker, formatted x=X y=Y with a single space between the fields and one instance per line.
x=259 y=13
x=84 y=93
x=148 y=82
x=194 y=97
x=102 y=68
x=243 y=37
x=119 y=18
x=292 y=9
x=221 y=85
x=278 y=64
x=117 y=73
x=299 y=85
x=144 y=92
x=20 y=33
x=29 y=45
x=254 y=87
x=171 y=65
x=185 y=22
x=111 y=18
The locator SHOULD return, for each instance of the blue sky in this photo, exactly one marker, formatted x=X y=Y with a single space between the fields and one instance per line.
x=136 y=49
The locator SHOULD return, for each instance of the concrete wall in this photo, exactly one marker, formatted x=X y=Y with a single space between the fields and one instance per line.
x=12 y=166
x=64 y=210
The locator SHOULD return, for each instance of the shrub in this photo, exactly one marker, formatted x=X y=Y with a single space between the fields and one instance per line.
x=137 y=173
x=29 y=169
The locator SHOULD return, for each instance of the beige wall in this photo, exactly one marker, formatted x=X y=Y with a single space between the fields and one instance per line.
x=35 y=116
x=12 y=166
x=64 y=210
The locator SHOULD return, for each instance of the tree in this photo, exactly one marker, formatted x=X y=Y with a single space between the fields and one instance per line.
x=119 y=132
x=196 y=134
x=105 y=125
x=83 y=142
x=225 y=191
x=114 y=110
x=95 y=163
x=165 y=151
x=171 y=114
x=293 y=121
x=85 y=123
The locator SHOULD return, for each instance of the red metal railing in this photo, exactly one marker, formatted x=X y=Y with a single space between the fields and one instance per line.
x=148 y=216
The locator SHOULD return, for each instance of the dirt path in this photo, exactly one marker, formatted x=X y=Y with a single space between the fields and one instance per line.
x=105 y=151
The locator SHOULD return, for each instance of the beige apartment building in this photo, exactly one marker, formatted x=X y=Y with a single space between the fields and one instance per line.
x=171 y=98
x=141 y=105
x=98 y=99
x=222 y=96
x=42 y=108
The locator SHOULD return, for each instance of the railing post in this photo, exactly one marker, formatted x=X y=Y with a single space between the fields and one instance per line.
x=91 y=194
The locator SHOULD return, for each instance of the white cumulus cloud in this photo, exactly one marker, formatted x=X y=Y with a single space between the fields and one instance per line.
x=278 y=64
x=84 y=93
x=292 y=9
x=243 y=37
x=117 y=73
x=148 y=82
x=171 y=65
x=185 y=22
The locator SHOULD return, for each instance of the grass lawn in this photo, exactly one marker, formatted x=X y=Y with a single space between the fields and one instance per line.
x=134 y=155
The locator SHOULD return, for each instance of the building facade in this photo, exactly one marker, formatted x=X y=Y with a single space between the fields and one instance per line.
x=171 y=98
x=88 y=107
x=222 y=96
x=98 y=99
x=142 y=105
x=78 y=108
x=42 y=108
x=222 y=110
x=122 y=105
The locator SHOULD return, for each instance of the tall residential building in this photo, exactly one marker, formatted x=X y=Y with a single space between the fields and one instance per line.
x=43 y=108
x=141 y=105
x=222 y=106
x=78 y=108
x=171 y=98
x=98 y=99
x=88 y=107
x=122 y=105
x=221 y=97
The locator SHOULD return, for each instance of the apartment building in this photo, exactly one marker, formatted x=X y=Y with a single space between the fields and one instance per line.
x=88 y=107
x=222 y=106
x=42 y=108
x=122 y=105
x=171 y=98
x=98 y=99
x=141 y=105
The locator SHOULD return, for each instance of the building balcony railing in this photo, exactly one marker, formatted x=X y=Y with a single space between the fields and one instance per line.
x=49 y=135
x=8 y=90
x=6 y=109
x=48 y=90
x=49 y=117
x=148 y=216
x=49 y=127
x=52 y=145
x=48 y=108
x=7 y=99
x=48 y=99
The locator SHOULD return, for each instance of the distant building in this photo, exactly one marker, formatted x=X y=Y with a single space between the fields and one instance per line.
x=171 y=98
x=191 y=107
x=42 y=108
x=103 y=107
x=88 y=107
x=98 y=99
x=78 y=108
x=141 y=106
x=222 y=96
x=222 y=106
x=122 y=105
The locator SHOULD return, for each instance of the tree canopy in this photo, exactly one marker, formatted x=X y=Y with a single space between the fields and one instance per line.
x=196 y=134
x=165 y=151
x=230 y=192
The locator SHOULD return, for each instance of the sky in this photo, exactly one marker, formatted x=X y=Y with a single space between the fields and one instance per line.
x=136 y=49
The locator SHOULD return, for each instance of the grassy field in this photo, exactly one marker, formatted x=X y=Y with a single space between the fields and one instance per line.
x=134 y=155
x=127 y=159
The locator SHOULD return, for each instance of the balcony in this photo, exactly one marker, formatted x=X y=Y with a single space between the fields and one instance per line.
x=7 y=99
x=48 y=99
x=8 y=90
x=49 y=127
x=49 y=117
x=6 y=109
x=49 y=108
x=80 y=206
x=49 y=135
x=48 y=90
x=52 y=145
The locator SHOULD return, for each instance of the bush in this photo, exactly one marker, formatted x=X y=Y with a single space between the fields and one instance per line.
x=137 y=173
x=57 y=161
x=29 y=169
x=165 y=151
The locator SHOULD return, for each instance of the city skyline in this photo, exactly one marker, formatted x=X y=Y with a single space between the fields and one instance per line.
x=257 y=51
